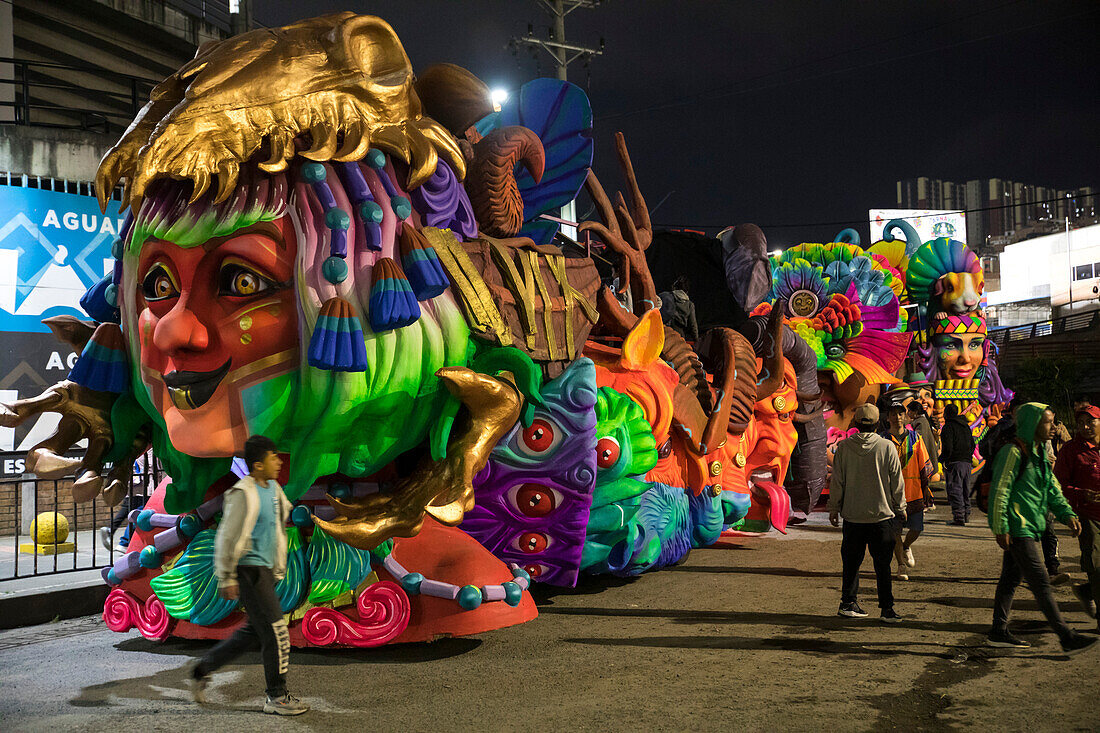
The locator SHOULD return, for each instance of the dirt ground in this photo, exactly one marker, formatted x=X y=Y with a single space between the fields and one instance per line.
x=742 y=637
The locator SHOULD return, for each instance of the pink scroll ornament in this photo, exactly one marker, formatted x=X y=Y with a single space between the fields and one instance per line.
x=383 y=615
x=122 y=612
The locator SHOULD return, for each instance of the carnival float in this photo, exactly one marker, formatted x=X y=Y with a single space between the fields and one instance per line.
x=354 y=261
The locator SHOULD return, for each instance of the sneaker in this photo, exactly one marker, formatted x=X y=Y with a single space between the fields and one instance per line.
x=105 y=538
x=851 y=610
x=958 y=522
x=1005 y=639
x=902 y=575
x=196 y=683
x=1077 y=643
x=1083 y=591
x=909 y=560
x=890 y=616
x=1060 y=578
x=285 y=705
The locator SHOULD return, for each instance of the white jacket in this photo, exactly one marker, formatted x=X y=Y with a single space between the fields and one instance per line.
x=240 y=509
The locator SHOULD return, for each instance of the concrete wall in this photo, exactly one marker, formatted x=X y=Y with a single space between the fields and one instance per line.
x=45 y=151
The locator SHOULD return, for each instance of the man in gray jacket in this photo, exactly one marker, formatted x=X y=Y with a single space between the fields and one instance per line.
x=249 y=556
x=867 y=489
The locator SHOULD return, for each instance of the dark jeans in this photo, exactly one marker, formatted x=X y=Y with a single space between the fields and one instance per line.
x=957 y=478
x=265 y=625
x=879 y=538
x=1090 y=556
x=128 y=504
x=1049 y=542
x=1024 y=561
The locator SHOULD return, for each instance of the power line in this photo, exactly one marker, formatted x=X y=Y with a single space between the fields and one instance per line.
x=716 y=93
x=864 y=221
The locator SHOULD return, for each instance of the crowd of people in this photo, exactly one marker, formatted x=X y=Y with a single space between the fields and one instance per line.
x=1033 y=473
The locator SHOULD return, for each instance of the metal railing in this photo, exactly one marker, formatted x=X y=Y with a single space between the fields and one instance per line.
x=23 y=498
x=112 y=99
x=1065 y=324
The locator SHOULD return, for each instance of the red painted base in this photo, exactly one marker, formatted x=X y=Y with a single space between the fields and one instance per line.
x=438 y=552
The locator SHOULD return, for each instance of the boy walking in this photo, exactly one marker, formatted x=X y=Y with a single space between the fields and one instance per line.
x=957 y=455
x=249 y=555
x=916 y=468
x=1023 y=492
x=868 y=490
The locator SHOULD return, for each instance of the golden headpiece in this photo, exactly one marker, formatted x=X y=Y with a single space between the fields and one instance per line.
x=343 y=78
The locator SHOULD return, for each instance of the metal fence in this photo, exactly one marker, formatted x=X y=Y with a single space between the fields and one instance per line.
x=110 y=99
x=1066 y=324
x=24 y=498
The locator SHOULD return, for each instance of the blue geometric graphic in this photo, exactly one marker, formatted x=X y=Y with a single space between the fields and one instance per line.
x=53 y=246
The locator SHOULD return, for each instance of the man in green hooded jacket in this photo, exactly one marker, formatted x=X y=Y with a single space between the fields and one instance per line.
x=1022 y=493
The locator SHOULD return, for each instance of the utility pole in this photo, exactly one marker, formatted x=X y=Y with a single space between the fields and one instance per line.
x=563 y=54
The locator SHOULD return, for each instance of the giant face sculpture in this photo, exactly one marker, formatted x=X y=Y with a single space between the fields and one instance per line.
x=960 y=344
x=214 y=319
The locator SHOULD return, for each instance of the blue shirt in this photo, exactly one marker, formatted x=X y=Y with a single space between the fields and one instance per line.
x=262 y=552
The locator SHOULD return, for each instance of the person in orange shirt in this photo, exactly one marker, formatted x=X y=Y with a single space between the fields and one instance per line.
x=917 y=469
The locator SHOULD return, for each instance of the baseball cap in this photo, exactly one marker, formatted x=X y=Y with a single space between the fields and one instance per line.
x=1090 y=410
x=866 y=414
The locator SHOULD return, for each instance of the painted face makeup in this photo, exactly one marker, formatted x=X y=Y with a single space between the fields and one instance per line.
x=213 y=320
x=960 y=355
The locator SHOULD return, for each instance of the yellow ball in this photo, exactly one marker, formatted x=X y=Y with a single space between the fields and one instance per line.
x=49 y=527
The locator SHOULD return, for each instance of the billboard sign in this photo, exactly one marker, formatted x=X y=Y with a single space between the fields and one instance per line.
x=53 y=247
x=929 y=224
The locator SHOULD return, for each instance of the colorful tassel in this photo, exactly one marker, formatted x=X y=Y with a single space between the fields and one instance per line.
x=392 y=303
x=337 y=341
x=103 y=365
x=422 y=265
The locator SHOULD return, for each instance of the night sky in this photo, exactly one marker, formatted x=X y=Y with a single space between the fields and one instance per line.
x=789 y=113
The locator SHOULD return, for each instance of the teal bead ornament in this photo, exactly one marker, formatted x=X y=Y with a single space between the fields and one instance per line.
x=149 y=557
x=401 y=207
x=371 y=212
x=299 y=515
x=112 y=578
x=469 y=597
x=337 y=218
x=312 y=173
x=513 y=594
x=190 y=525
x=335 y=270
x=521 y=573
x=117 y=248
x=110 y=294
x=145 y=520
x=375 y=158
x=411 y=583
x=340 y=491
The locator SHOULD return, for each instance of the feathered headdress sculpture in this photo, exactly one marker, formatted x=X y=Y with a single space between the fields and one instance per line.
x=343 y=79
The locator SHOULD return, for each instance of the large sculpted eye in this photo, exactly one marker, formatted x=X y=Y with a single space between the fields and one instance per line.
x=539 y=438
x=240 y=281
x=159 y=284
x=607 y=452
x=532 y=542
x=534 y=500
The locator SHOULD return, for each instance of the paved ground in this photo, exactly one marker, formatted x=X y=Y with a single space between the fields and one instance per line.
x=736 y=638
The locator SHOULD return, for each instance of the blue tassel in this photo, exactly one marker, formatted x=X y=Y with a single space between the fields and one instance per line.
x=103 y=365
x=422 y=266
x=392 y=303
x=337 y=341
